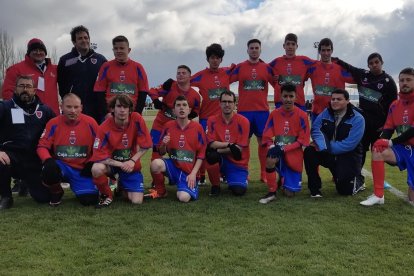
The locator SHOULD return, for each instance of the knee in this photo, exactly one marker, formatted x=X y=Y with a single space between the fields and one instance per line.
x=88 y=199
x=345 y=188
x=238 y=190
x=183 y=197
x=98 y=170
x=157 y=166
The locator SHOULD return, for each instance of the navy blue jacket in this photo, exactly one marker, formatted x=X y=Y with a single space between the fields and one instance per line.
x=22 y=137
x=346 y=137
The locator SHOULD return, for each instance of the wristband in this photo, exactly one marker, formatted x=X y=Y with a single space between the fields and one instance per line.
x=132 y=160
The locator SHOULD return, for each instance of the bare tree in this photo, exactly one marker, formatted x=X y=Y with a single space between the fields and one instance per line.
x=53 y=56
x=7 y=54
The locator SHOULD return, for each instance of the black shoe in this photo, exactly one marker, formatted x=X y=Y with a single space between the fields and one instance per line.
x=202 y=181
x=104 y=201
x=55 y=200
x=215 y=190
x=316 y=194
x=359 y=185
x=6 y=202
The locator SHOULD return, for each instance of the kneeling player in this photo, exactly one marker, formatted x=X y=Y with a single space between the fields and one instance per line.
x=228 y=149
x=399 y=150
x=289 y=126
x=65 y=148
x=121 y=142
x=184 y=141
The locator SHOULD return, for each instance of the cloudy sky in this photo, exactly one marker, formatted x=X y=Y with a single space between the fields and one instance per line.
x=164 y=34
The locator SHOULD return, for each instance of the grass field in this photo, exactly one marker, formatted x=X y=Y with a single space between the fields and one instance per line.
x=223 y=236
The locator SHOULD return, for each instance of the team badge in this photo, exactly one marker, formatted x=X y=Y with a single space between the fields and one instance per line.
x=72 y=137
x=52 y=75
x=39 y=114
x=96 y=143
x=94 y=60
x=254 y=74
x=286 y=127
x=181 y=142
x=327 y=78
x=405 y=117
x=125 y=140
x=122 y=76
x=227 y=136
x=289 y=69
x=380 y=85
x=216 y=81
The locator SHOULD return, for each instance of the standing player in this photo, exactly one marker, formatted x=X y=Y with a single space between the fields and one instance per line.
x=399 y=150
x=65 y=148
x=286 y=131
x=228 y=147
x=326 y=76
x=211 y=81
x=184 y=141
x=253 y=76
x=122 y=140
x=169 y=91
x=377 y=90
x=123 y=76
x=77 y=72
x=292 y=69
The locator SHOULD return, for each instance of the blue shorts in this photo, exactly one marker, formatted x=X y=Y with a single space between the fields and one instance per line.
x=279 y=104
x=257 y=121
x=179 y=178
x=235 y=175
x=203 y=123
x=405 y=161
x=80 y=185
x=292 y=180
x=155 y=137
x=131 y=182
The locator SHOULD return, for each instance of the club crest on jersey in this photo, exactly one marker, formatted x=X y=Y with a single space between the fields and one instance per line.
x=254 y=74
x=380 y=85
x=72 y=137
x=94 y=60
x=216 y=81
x=286 y=127
x=96 y=143
x=125 y=140
x=181 y=142
x=405 y=117
x=39 y=114
x=227 y=136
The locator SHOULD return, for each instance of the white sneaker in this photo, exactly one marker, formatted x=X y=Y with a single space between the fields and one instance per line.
x=268 y=198
x=372 y=200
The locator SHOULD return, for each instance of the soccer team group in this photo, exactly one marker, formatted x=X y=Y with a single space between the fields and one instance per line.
x=49 y=131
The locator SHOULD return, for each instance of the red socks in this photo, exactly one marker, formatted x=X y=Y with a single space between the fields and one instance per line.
x=378 y=175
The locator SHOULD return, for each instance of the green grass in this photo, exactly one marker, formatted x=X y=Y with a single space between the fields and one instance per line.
x=223 y=236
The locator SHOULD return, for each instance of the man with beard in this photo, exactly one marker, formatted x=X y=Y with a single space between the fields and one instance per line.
x=22 y=120
x=397 y=151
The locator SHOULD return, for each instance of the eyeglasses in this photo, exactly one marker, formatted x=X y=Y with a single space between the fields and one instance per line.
x=227 y=102
x=23 y=86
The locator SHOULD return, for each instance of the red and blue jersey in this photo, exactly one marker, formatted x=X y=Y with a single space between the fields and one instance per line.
x=291 y=70
x=127 y=78
x=325 y=79
x=401 y=117
x=254 y=79
x=235 y=132
x=288 y=128
x=186 y=145
x=211 y=84
x=166 y=114
x=68 y=141
x=119 y=143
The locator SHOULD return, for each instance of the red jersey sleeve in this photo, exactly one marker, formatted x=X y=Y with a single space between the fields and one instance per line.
x=143 y=79
x=102 y=82
x=46 y=140
x=143 y=135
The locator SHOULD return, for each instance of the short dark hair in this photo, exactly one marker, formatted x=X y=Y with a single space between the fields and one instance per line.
x=76 y=30
x=341 y=91
x=214 y=49
x=119 y=38
x=24 y=77
x=254 y=40
x=407 y=71
x=182 y=66
x=228 y=93
x=123 y=100
x=325 y=42
x=291 y=37
x=375 y=55
x=288 y=87
x=179 y=99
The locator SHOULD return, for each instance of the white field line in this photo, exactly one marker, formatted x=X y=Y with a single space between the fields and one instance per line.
x=390 y=188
